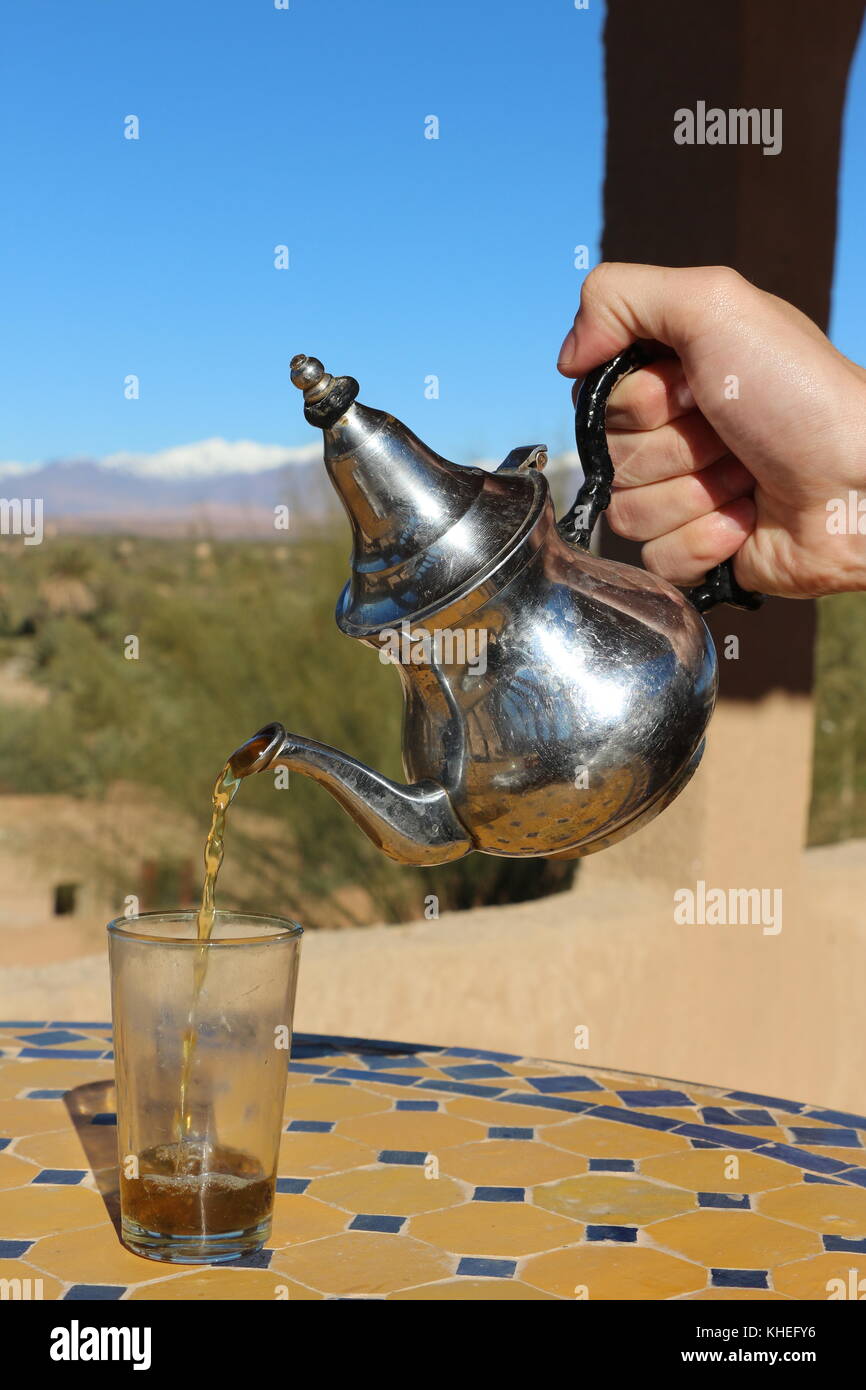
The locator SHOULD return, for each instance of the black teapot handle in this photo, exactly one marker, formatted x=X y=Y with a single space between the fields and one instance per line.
x=577 y=525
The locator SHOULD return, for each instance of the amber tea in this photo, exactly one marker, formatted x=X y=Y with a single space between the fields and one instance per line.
x=200 y=1002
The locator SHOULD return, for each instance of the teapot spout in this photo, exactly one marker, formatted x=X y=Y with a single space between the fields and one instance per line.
x=412 y=823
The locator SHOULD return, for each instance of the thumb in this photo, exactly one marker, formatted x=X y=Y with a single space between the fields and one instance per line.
x=620 y=302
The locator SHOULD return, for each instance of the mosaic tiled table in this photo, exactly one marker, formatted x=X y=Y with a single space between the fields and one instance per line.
x=417 y=1172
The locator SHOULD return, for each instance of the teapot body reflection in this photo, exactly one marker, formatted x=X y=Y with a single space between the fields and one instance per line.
x=554 y=701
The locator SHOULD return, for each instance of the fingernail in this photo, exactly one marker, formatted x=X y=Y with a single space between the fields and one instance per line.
x=566 y=352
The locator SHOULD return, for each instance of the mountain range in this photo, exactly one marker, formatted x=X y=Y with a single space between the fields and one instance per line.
x=212 y=488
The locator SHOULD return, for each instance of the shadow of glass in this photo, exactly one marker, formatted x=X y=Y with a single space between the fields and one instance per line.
x=91 y=1109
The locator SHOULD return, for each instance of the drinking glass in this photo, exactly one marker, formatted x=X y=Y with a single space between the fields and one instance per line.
x=202 y=1034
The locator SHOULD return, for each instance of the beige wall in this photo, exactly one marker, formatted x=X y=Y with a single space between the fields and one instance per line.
x=725 y=1004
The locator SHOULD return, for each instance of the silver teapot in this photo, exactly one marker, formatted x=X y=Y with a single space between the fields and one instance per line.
x=555 y=702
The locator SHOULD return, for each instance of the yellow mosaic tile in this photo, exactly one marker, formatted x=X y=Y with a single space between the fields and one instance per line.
x=299 y=1217
x=48 y=1289
x=604 y=1139
x=14 y=1172
x=10 y=1080
x=735 y=1296
x=31 y=1116
x=473 y=1290
x=840 y=1276
x=613 y=1271
x=495 y=1228
x=503 y=1112
x=309 y=1155
x=55 y=1074
x=363 y=1262
x=60 y=1148
x=608 y=1199
x=312 y=1102
x=28 y=1212
x=734 y=1239
x=93 y=1256
x=228 y=1285
x=821 y=1207
x=382 y=1088
x=392 y=1190
x=510 y=1163
x=424 y=1131
x=855 y=1157
x=705 y=1170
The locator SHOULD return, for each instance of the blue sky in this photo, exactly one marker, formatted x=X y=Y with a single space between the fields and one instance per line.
x=305 y=127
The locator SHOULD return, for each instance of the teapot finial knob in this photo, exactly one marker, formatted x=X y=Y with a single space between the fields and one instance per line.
x=308 y=374
x=326 y=397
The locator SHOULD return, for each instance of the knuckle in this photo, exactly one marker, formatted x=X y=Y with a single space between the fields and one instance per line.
x=624 y=516
x=721 y=285
x=595 y=283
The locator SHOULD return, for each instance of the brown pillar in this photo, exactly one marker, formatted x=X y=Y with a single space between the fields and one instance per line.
x=772 y=217
x=742 y=821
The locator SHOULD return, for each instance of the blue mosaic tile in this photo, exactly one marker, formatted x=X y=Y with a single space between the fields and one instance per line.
x=844 y=1245
x=78 y=1055
x=623 y=1235
x=4 y=1143
x=310 y=1126
x=728 y=1138
x=819 y=1177
x=93 y=1292
x=739 y=1279
x=468 y=1071
x=855 y=1175
x=556 y=1084
x=293 y=1186
x=375 y=1060
x=20 y=1023
x=475 y=1268
x=499 y=1194
x=44 y=1095
x=256 y=1259
x=308 y=1068
x=611 y=1165
x=832 y=1138
x=510 y=1132
x=406 y=1156
x=60 y=1177
x=426 y=1105
x=329 y=1081
x=52 y=1037
x=106 y=1117
x=14 y=1249
x=791 y=1107
x=461 y=1088
x=479 y=1054
x=76 y=1023
x=816 y=1163
x=703 y=1144
x=838 y=1117
x=654 y=1099
x=637 y=1118
x=726 y=1201
x=715 y=1115
x=389 y=1225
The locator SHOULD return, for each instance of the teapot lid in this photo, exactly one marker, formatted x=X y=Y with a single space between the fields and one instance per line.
x=425 y=530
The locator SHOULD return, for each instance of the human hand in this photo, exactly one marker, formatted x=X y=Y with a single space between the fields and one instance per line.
x=736 y=445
